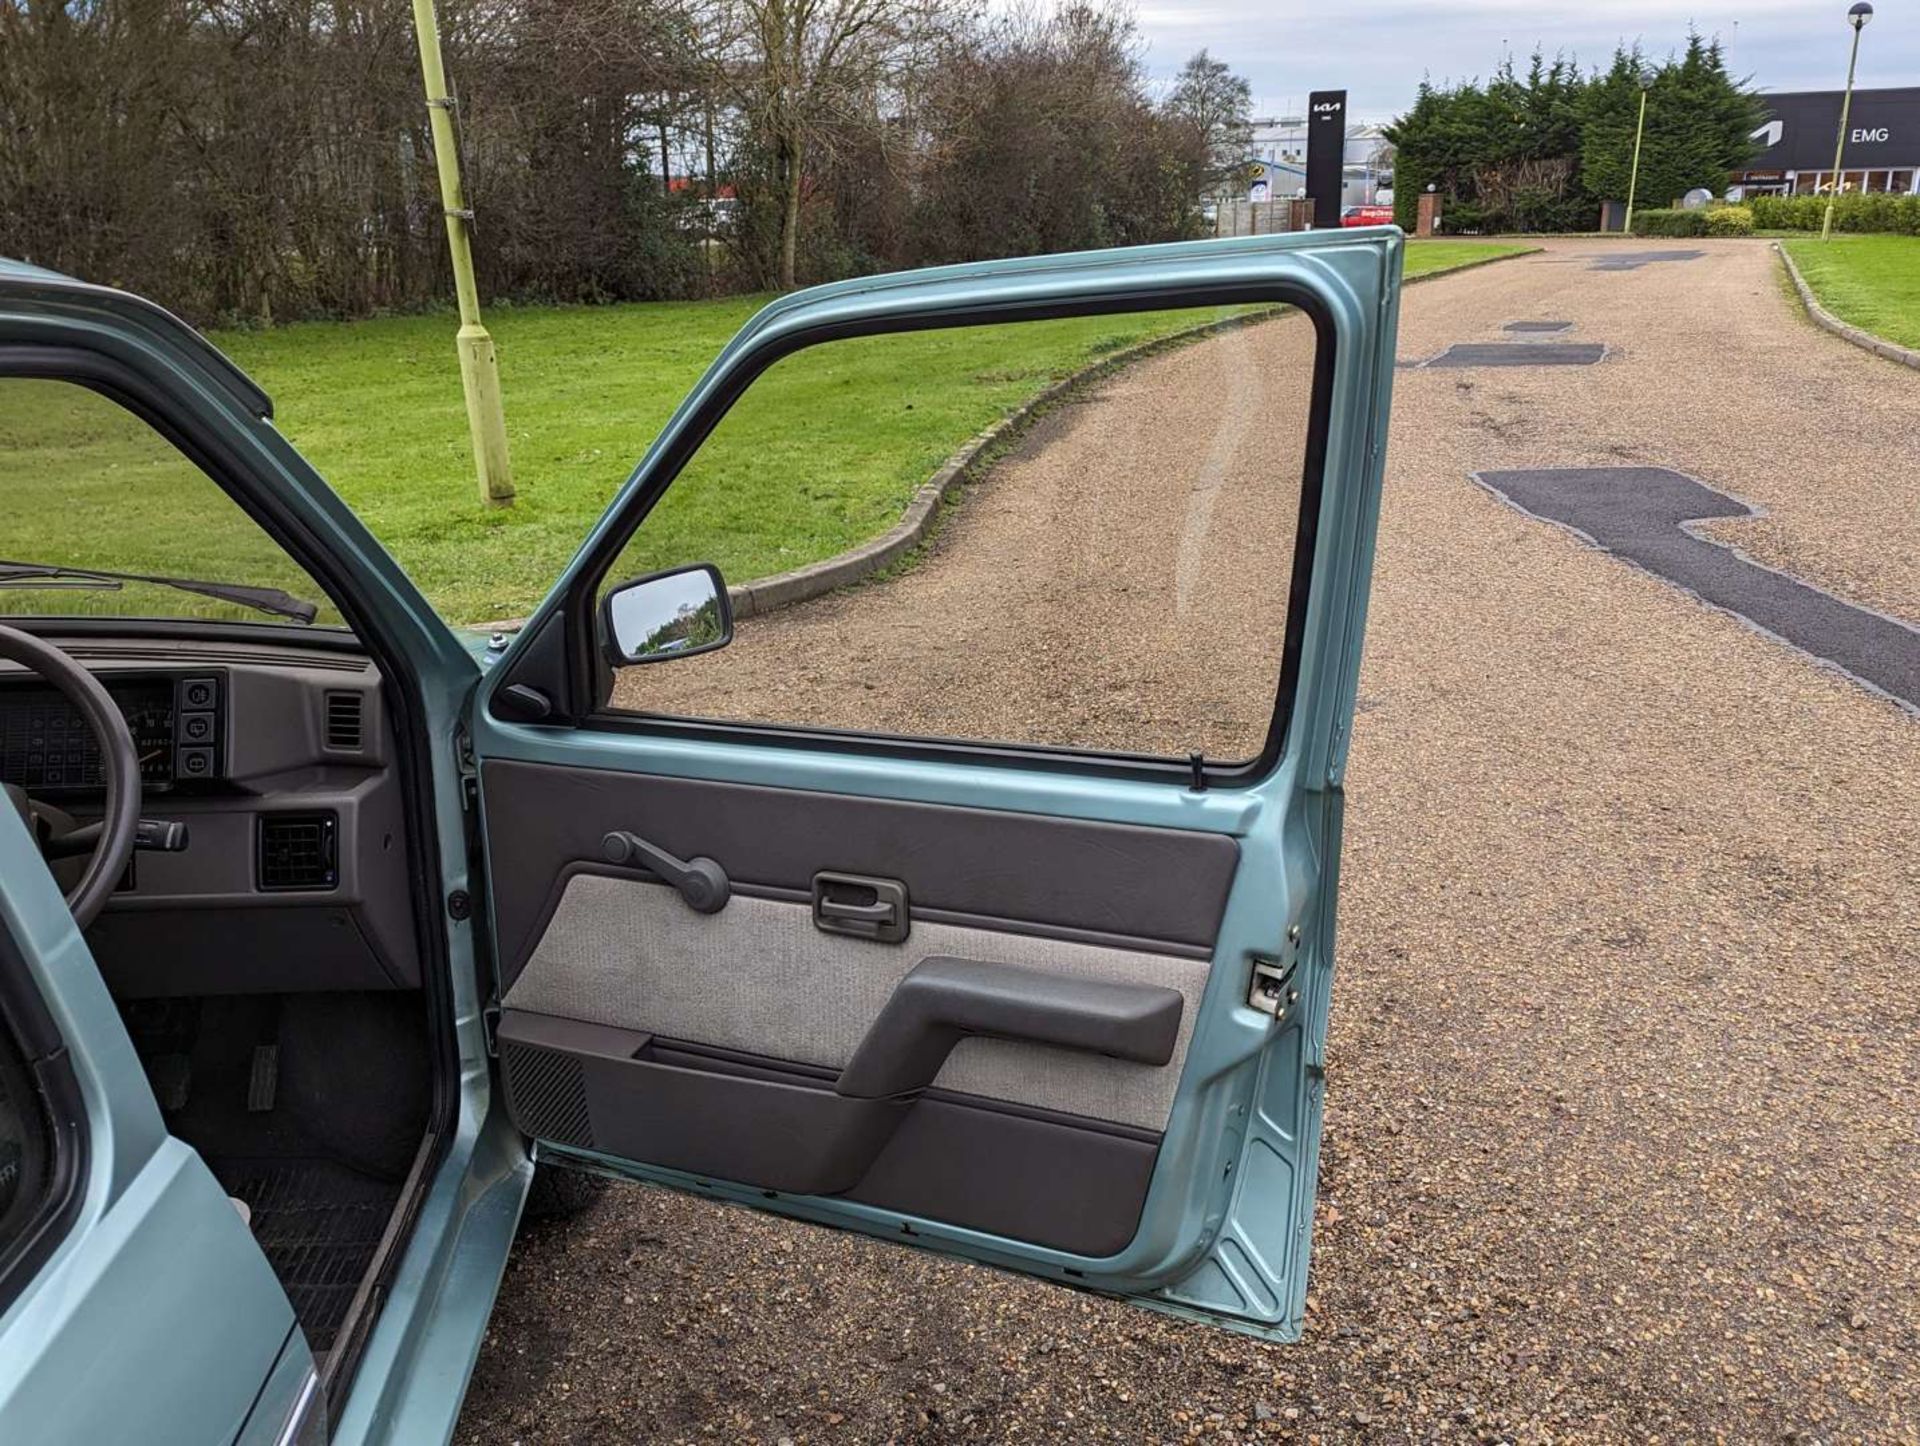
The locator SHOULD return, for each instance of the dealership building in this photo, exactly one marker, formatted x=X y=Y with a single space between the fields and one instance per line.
x=1882 y=148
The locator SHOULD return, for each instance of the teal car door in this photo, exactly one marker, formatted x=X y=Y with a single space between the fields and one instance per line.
x=134 y=1303
x=1002 y=968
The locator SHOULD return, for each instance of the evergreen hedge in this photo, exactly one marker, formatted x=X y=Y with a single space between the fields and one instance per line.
x=1540 y=150
x=1857 y=211
x=1662 y=221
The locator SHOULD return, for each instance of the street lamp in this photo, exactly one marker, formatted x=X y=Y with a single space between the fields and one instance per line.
x=1857 y=17
x=479 y=367
x=1645 y=78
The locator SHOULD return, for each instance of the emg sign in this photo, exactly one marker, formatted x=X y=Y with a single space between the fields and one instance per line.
x=1882 y=130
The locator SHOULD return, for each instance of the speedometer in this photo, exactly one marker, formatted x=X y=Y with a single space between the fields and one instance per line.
x=151 y=723
x=46 y=745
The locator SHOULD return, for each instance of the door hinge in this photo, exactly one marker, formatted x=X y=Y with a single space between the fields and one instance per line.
x=1273 y=991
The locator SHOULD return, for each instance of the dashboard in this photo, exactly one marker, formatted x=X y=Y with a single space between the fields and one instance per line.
x=47 y=747
x=278 y=760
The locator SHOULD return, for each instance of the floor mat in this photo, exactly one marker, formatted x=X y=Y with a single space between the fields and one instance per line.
x=319 y=1224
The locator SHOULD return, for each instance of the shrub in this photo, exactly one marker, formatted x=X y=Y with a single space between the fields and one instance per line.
x=1855 y=211
x=1664 y=222
x=1729 y=221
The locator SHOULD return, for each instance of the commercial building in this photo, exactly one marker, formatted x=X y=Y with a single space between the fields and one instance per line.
x=1280 y=143
x=1882 y=150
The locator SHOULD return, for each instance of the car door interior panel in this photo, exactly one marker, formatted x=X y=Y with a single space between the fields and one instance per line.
x=1036 y=1008
x=1149 y=889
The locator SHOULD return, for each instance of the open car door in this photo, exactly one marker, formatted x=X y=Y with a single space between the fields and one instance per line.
x=1018 y=963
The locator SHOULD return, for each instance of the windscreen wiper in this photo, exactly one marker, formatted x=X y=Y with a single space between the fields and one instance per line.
x=260 y=599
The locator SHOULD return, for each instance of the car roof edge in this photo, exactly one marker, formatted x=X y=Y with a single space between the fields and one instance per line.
x=24 y=278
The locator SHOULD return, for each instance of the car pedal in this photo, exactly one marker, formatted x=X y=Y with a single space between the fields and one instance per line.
x=264 y=1082
x=171 y=1077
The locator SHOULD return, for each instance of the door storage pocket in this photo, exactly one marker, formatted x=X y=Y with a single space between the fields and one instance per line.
x=1061 y=1181
x=615 y=1091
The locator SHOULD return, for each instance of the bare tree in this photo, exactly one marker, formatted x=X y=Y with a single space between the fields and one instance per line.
x=1051 y=143
x=263 y=160
x=1215 y=106
x=803 y=70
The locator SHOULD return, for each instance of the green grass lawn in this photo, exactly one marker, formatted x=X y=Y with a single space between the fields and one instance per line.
x=1872 y=282
x=825 y=450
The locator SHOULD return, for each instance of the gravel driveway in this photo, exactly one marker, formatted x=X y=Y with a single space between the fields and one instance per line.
x=1624 y=1069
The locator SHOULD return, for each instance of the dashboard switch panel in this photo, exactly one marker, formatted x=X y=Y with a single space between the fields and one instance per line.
x=197 y=735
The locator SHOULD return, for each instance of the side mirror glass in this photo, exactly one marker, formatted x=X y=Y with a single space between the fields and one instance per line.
x=672 y=614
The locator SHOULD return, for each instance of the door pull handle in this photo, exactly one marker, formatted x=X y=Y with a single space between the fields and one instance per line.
x=866 y=908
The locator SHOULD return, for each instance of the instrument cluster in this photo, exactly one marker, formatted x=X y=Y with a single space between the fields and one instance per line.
x=47 y=747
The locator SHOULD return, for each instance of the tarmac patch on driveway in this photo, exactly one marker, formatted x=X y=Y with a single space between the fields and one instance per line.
x=1643 y=515
x=1537 y=327
x=1634 y=260
x=1519 y=354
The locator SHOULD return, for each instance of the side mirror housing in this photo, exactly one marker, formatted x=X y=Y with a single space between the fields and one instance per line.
x=666 y=615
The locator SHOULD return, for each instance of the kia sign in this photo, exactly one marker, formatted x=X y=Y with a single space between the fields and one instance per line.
x=1883 y=131
x=1326 y=153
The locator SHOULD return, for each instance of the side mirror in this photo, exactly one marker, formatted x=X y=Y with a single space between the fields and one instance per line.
x=672 y=614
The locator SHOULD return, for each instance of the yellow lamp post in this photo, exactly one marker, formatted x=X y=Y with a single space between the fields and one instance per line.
x=1639 y=129
x=479 y=368
x=1857 y=17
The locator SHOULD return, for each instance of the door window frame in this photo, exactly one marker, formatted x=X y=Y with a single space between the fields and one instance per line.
x=588 y=677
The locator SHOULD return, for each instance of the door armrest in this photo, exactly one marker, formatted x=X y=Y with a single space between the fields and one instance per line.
x=943 y=999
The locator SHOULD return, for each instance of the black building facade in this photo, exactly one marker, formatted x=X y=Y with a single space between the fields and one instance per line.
x=1882 y=151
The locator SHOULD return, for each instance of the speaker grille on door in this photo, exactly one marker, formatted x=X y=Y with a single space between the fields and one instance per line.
x=343 y=721
x=548 y=1093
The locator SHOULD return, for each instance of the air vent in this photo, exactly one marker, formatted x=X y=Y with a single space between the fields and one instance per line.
x=172 y=653
x=343 y=721
x=298 y=851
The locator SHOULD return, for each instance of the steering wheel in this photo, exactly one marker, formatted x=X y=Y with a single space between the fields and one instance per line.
x=119 y=762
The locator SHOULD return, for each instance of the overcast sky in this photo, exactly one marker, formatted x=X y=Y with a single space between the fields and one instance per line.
x=1377 y=50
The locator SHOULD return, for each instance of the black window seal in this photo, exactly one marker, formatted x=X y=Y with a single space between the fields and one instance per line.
x=590 y=679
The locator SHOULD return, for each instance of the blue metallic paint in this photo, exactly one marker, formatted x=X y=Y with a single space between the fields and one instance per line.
x=1224 y=1232
x=158 y=1302
x=414 y=1366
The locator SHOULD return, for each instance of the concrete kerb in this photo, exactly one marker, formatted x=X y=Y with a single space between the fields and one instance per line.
x=1865 y=340
x=784 y=589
